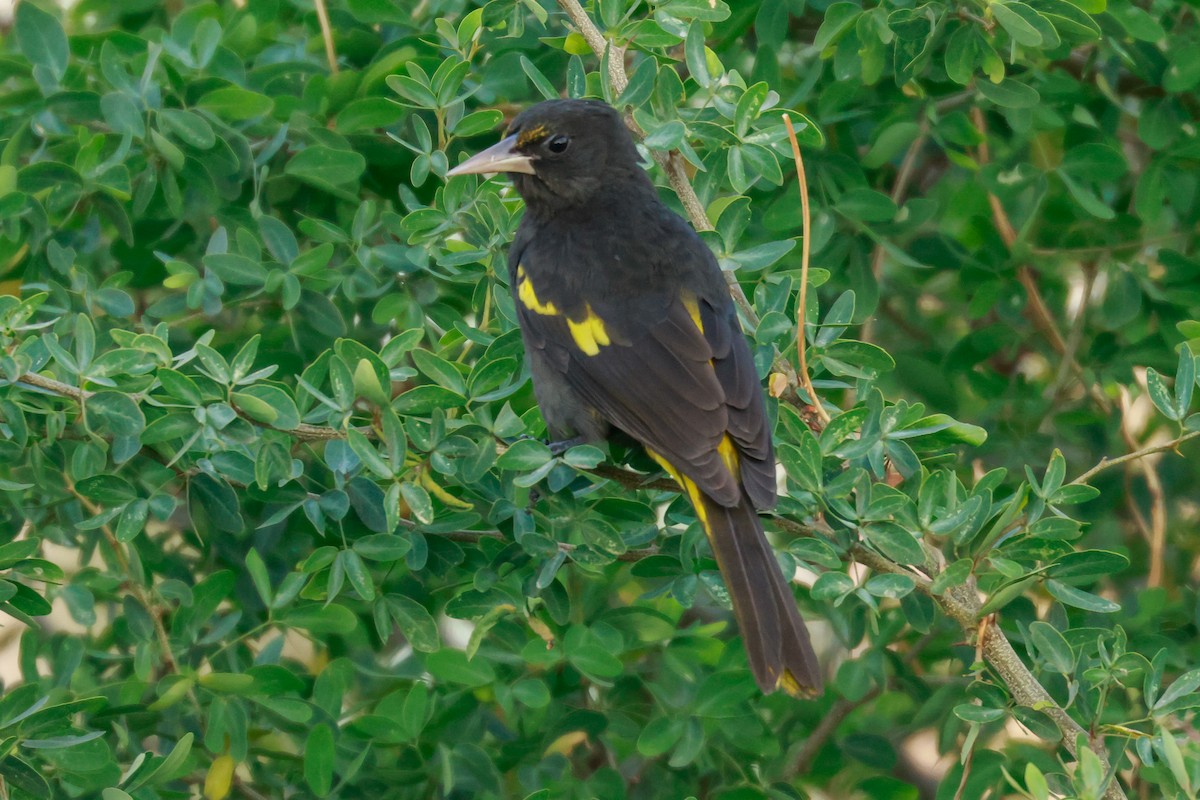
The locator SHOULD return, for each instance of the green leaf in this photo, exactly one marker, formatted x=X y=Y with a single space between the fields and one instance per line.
x=978 y=714
x=839 y=17
x=1069 y=595
x=108 y=490
x=236 y=104
x=1160 y=395
x=888 y=585
x=415 y=622
x=1009 y=93
x=539 y=81
x=452 y=666
x=867 y=205
x=1053 y=647
x=1013 y=20
x=235 y=269
x=19 y=774
x=1086 y=198
x=187 y=126
x=258 y=575
x=319 y=759
x=659 y=736
x=41 y=38
x=894 y=542
x=326 y=166
x=367 y=453
x=319 y=619
x=122 y=115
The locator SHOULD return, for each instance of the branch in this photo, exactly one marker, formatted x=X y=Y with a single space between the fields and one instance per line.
x=1042 y=319
x=1109 y=463
x=303 y=431
x=805 y=252
x=135 y=585
x=472 y=537
x=671 y=162
x=327 y=35
x=961 y=603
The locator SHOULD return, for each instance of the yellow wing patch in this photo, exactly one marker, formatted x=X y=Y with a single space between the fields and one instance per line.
x=589 y=333
x=729 y=454
x=528 y=296
x=693 y=308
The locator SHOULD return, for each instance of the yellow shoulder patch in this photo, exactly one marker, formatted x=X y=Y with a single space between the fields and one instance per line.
x=589 y=333
x=528 y=296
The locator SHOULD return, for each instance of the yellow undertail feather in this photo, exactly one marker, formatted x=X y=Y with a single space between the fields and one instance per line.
x=755 y=585
x=693 y=491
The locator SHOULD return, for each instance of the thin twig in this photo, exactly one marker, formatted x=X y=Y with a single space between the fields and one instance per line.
x=961 y=603
x=671 y=162
x=1109 y=463
x=1157 y=527
x=1039 y=313
x=829 y=723
x=303 y=431
x=900 y=187
x=140 y=592
x=805 y=251
x=472 y=537
x=327 y=35
x=1074 y=337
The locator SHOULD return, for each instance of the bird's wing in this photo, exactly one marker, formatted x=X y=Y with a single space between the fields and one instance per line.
x=672 y=371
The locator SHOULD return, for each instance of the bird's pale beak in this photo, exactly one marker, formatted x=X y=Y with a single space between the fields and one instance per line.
x=500 y=157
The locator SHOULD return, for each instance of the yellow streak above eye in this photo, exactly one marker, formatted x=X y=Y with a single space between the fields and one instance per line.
x=529 y=298
x=589 y=333
x=532 y=135
x=692 y=304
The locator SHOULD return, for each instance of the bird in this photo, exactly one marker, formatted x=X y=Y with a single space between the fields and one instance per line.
x=630 y=332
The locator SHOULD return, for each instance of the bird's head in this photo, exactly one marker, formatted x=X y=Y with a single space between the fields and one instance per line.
x=561 y=153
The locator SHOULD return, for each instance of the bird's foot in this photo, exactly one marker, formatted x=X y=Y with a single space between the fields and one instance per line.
x=561 y=446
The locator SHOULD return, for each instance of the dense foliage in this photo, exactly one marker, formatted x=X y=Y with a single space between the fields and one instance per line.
x=265 y=429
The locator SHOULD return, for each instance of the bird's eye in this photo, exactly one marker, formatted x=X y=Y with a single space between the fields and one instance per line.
x=558 y=144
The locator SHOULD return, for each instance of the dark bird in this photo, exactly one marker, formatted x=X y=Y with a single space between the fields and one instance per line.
x=630 y=327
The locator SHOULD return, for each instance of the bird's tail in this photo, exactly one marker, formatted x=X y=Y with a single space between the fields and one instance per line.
x=777 y=642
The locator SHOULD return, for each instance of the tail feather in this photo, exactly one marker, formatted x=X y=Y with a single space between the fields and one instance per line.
x=776 y=639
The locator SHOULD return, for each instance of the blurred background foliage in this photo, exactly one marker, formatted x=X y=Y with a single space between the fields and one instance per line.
x=266 y=432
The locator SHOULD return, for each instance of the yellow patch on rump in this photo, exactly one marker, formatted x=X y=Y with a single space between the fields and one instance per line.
x=693 y=491
x=529 y=298
x=534 y=134
x=787 y=681
x=589 y=333
x=729 y=454
x=693 y=308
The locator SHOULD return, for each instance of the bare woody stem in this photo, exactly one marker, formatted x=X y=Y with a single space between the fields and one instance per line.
x=671 y=162
x=805 y=252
